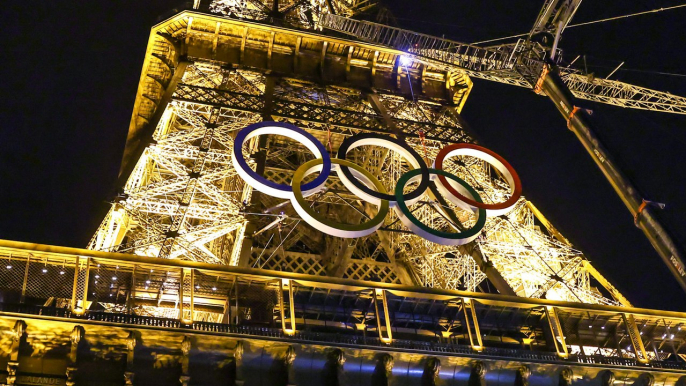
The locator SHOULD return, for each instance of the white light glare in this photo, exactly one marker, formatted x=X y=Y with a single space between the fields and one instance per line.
x=405 y=60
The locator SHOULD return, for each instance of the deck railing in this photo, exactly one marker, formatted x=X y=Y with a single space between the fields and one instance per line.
x=133 y=290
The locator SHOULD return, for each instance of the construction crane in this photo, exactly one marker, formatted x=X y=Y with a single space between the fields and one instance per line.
x=532 y=62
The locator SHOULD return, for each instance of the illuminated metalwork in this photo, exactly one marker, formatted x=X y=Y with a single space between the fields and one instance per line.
x=499 y=64
x=131 y=291
x=238 y=275
x=183 y=199
x=304 y=14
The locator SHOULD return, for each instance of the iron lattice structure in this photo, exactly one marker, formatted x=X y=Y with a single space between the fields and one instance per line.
x=128 y=291
x=206 y=77
x=297 y=13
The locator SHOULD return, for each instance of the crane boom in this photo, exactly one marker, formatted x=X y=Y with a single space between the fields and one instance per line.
x=500 y=64
x=644 y=217
x=622 y=94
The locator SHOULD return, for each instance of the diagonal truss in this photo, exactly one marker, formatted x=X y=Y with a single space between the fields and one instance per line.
x=182 y=198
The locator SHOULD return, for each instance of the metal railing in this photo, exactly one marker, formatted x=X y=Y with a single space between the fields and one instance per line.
x=334 y=338
x=498 y=64
x=134 y=290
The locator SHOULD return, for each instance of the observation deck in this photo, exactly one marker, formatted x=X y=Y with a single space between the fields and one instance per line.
x=88 y=316
x=282 y=324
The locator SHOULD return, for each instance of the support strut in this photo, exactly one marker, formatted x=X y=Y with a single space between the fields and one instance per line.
x=645 y=219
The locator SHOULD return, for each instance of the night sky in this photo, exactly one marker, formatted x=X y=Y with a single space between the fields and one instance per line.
x=70 y=72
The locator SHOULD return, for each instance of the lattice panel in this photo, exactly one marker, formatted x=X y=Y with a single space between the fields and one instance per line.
x=371 y=271
x=170 y=286
x=257 y=303
x=186 y=175
x=109 y=284
x=278 y=175
x=209 y=317
x=158 y=312
x=291 y=262
x=12 y=274
x=295 y=15
x=208 y=285
x=149 y=280
x=297 y=90
x=238 y=101
x=458 y=272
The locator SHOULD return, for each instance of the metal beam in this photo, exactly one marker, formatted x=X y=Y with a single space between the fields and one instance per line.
x=56 y=256
x=472 y=324
x=136 y=145
x=381 y=312
x=635 y=336
x=260 y=160
x=286 y=302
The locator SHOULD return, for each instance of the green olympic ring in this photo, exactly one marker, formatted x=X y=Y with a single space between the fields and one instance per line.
x=434 y=235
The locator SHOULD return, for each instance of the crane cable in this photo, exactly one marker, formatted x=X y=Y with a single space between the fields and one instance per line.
x=593 y=22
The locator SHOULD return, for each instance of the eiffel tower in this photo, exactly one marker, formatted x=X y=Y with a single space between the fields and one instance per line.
x=207 y=76
x=196 y=276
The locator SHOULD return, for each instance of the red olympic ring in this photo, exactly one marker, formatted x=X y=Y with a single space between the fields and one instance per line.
x=515 y=183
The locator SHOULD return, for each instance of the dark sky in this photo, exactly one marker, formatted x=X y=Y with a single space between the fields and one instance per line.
x=70 y=72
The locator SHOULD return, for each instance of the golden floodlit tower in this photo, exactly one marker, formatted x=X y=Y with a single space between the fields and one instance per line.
x=302 y=204
x=206 y=76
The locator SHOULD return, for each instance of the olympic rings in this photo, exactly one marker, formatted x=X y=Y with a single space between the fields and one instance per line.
x=287 y=130
x=319 y=222
x=434 y=235
x=457 y=194
x=363 y=191
x=368 y=188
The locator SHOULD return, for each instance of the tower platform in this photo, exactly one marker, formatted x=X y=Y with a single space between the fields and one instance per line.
x=290 y=328
x=195 y=277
